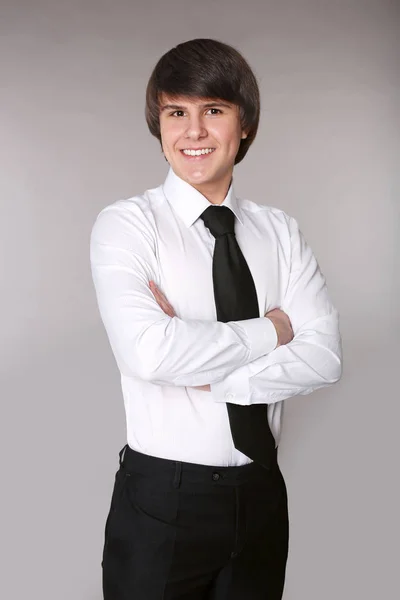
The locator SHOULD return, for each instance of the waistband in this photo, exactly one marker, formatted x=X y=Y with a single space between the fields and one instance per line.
x=184 y=472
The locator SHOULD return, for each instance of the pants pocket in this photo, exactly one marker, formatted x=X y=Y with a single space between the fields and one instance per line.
x=153 y=499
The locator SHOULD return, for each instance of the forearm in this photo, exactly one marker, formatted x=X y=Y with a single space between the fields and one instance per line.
x=312 y=360
x=181 y=353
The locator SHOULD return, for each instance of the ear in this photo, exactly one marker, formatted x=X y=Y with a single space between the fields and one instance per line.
x=244 y=135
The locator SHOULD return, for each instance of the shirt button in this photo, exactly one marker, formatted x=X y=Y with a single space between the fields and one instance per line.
x=229 y=396
x=215 y=476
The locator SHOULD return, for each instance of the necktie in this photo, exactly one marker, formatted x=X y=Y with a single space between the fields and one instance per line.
x=236 y=299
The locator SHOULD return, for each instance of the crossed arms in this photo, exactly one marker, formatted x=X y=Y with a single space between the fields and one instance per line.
x=239 y=360
x=280 y=320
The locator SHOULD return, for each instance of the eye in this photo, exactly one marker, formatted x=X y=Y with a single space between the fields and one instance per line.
x=181 y=113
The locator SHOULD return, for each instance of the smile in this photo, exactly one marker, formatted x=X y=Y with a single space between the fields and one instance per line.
x=199 y=152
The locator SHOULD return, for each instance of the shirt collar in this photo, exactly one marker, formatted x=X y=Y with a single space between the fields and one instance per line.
x=189 y=203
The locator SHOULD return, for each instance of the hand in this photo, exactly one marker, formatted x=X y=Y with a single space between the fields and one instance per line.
x=282 y=324
x=161 y=300
x=167 y=308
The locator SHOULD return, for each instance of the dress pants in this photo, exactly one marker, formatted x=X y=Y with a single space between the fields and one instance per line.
x=185 y=531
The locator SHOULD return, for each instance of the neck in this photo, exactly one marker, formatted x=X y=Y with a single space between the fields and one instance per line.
x=215 y=194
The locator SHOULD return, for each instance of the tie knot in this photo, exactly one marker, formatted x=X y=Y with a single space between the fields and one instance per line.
x=219 y=220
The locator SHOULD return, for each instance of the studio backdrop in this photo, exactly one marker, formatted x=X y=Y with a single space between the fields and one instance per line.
x=73 y=140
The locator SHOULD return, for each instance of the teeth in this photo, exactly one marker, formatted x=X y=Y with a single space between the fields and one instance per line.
x=198 y=152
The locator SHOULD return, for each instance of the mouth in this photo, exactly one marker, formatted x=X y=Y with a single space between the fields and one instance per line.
x=196 y=153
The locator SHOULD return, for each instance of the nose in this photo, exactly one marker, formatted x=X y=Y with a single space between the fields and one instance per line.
x=196 y=127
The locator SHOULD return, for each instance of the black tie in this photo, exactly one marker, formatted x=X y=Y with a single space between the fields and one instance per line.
x=236 y=299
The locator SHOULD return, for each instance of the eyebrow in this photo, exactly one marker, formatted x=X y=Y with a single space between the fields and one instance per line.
x=207 y=105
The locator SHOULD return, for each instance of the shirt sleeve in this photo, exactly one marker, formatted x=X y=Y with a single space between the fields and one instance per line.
x=312 y=359
x=146 y=342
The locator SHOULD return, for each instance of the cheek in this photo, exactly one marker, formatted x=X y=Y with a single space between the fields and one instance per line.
x=169 y=138
x=229 y=137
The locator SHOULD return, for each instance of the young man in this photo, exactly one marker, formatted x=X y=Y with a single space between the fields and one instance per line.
x=216 y=312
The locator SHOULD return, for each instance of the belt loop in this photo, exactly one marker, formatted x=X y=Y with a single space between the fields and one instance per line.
x=121 y=454
x=178 y=472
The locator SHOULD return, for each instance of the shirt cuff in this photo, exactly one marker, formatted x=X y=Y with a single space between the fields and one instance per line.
x=262 y=339
x=235 y=388
x=261 y=335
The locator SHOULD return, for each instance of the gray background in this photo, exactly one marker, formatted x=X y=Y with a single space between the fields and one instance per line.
x=74 y=139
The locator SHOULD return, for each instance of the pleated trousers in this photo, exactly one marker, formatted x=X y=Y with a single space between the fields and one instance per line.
x=178 y=530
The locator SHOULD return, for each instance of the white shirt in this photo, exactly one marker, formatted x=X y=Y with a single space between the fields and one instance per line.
x=159 y=236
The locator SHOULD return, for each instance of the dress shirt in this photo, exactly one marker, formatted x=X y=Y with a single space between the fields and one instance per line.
x=159 y=236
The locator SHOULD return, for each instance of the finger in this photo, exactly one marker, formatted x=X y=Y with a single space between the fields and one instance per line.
x=157 y=293
x=156 y=290
x=161 y=299
x=163 y=296
x=163 y=303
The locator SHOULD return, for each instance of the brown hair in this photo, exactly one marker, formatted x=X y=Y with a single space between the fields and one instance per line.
x=205 y=68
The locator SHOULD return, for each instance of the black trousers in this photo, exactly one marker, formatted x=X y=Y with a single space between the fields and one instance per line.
x=184 y=531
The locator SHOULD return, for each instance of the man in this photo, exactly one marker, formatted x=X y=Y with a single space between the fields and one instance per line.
x=216 y=312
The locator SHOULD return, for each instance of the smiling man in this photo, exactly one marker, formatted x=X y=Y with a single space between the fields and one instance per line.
x=216 y=312
x=203 y=157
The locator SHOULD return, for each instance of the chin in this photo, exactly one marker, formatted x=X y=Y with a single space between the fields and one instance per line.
x=199 y=181
x=193 y=175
